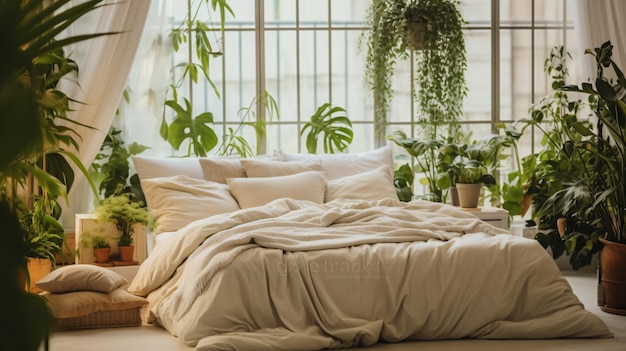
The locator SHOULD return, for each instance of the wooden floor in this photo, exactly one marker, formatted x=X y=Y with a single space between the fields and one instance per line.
x=151 y=338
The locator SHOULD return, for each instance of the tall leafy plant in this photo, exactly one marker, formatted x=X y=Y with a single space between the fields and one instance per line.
x=559 y=164
x=440 y=61
x=193 y=35
x=30 y=105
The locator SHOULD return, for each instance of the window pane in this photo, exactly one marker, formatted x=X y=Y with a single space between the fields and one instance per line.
x=476 y=12
x=281 y=72
x=477 y=104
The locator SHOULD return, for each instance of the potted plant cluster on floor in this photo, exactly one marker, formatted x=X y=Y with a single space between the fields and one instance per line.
x=592 y=201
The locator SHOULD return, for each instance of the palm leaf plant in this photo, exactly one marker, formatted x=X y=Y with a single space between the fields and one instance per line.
x=30 y=68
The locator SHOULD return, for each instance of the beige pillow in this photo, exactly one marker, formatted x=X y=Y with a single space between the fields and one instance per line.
x=269 y=168
x=80 y=303
x=370 y=185
x=341 y=165
x=218 y=169
x=251 y=192
x=155 y=167
x=178 y=201
x=81 y=277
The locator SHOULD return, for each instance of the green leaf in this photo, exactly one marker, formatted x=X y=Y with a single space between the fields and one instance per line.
x=605 y=89
x=336 y=131
x=195 y=130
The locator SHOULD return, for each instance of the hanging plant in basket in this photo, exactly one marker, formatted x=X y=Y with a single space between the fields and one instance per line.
x=430 y=32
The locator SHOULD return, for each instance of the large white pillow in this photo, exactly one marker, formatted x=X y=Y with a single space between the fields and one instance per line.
x=270 y=168
x=341 y=165
x=180 y=200
x=370 y=185
x=153 y=167
x=252 y=192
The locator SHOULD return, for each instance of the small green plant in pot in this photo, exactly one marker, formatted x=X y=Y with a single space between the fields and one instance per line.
x=124 y=214
x=101 y=248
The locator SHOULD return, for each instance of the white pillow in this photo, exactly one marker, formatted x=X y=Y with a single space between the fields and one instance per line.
x=251 y=192
x=370 y=185
x=270 y=168
x=178 y=201
x=154 y=167
x=218 y=169
x=341 y=165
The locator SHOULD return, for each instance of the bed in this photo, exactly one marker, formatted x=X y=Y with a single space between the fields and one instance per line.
x=304 y=252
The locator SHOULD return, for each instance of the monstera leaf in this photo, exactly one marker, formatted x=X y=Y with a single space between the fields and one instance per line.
x=197 y=130
x=336 y=130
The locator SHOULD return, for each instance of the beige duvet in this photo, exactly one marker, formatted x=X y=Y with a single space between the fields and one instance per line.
x=293 y=275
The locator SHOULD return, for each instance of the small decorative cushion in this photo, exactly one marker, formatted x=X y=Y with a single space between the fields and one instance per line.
x=89 y=309
x=370 y=185
x=81 y=277
x=269 y=168
x=178 y=201
x=154 y=167
x=341 y=165
x=251 y=192
x=218 y=169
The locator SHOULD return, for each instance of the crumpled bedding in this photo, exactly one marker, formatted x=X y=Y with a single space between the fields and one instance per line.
x=293 y=275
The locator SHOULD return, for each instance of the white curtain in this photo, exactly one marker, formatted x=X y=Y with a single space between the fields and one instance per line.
x=595 y=22
x=103 y=72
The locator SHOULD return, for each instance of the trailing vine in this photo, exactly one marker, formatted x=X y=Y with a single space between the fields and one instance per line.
x=440 y=85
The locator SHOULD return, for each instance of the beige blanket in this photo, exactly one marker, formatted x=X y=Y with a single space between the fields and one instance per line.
x=294 y=275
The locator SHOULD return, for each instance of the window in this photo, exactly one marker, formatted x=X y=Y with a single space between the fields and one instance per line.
x=305 y=53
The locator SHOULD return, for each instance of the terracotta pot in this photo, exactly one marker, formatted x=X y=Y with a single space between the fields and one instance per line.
x=613 y=268
x=37 y=269
x=126 y=253
x=561 y=226
x=102 y=254
x=526 y=202
x=469 y=194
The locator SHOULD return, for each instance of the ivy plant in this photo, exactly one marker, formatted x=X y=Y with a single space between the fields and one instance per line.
x=440 y=85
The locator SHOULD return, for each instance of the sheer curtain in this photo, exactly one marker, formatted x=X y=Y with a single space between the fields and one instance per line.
x=595 y=22
x=103 y=71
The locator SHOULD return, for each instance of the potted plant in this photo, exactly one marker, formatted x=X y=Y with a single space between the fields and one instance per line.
x=43 y=240
x=593 y=201
x=559 y=165
x=30 y=104
x=440 y=61
x=101 y=249
x=472 y=176
x=111 y=167
x=124 y=214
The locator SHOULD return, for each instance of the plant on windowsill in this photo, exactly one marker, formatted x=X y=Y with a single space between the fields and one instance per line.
x=447 y=163
x=124 y=214
x=440 y=59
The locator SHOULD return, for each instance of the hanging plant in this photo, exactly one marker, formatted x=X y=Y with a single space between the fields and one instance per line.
x=431 y=33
